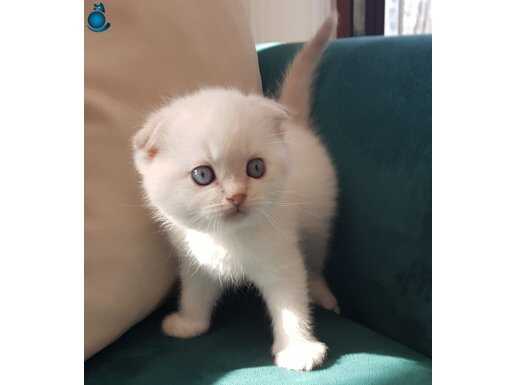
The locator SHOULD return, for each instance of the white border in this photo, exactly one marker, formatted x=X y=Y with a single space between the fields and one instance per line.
x=41 y=212
x=473 y=192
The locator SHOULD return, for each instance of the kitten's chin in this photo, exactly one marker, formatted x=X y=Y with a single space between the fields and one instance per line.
x=238 y=219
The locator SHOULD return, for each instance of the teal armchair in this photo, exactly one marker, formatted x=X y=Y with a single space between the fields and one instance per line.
x=372 y=105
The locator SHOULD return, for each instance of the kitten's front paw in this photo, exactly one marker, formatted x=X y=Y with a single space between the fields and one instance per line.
x=176 y=325
x=304 y=355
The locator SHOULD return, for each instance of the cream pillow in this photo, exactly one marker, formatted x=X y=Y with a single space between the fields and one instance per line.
x=153 y=49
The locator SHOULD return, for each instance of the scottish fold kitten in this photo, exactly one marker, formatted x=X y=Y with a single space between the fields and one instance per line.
x=248 y=192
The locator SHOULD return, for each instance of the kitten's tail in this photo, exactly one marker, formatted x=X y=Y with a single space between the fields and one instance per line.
x=295 y=92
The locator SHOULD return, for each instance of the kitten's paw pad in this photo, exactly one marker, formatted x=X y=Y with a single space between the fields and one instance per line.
x=176 y=325
x=301 y=355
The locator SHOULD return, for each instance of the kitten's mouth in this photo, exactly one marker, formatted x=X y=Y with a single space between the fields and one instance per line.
x=235 y=213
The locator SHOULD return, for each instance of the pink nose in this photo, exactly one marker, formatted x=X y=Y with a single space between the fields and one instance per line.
x=237 y=199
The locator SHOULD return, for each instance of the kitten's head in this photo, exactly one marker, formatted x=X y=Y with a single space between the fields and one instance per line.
x=214 y=160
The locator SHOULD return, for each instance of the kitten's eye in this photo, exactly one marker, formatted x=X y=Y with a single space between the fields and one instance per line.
x=256 y=168
x=203 y=175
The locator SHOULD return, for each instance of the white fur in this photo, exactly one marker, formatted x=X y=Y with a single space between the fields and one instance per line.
x=279 y=241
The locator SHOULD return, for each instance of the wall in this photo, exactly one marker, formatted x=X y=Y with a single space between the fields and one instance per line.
x=286 y=20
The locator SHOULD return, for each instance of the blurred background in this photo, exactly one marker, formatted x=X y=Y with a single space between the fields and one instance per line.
x=357 y=18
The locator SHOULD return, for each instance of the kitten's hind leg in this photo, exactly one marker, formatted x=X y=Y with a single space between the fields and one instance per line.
x=315 y=248
x=320 y=293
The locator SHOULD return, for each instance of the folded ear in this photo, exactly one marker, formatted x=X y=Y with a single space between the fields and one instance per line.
x=145 y=142
x=280 y=117
x=279 y=114
x=274 y=112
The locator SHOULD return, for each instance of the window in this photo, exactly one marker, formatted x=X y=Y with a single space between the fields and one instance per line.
x=407 y=17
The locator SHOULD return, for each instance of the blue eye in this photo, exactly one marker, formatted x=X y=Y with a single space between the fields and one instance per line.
x=256 y=168
x=203 y=175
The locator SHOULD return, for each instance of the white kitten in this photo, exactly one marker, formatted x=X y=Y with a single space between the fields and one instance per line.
x=248 y=193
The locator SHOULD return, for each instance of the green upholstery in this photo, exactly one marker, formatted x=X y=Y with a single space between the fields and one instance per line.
x=373 y=108
x=372 y=105
x=236 y=351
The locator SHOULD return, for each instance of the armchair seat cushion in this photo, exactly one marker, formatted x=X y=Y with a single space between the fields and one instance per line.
x=237 y=351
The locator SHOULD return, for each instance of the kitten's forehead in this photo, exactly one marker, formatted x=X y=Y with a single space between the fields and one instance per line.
x=218 y=125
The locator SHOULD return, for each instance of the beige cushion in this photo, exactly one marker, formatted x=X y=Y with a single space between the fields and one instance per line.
x=152 y=50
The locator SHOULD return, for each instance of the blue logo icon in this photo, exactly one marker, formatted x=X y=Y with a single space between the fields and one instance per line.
x=97 y=19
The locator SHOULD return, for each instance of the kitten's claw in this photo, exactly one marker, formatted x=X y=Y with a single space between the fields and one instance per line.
x=176 y=325
x=304 y=355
